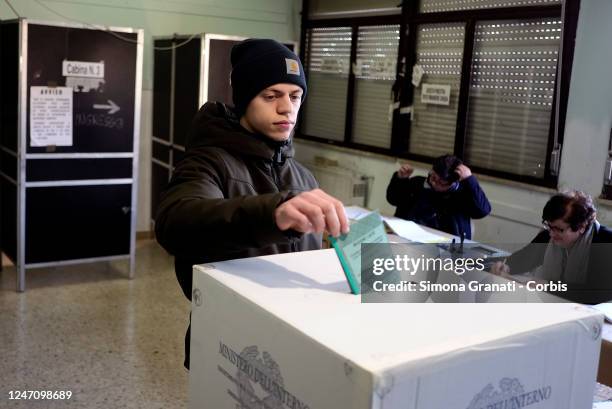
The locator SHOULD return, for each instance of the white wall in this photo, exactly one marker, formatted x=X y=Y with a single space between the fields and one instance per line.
x=278 y=19
x=516 y=214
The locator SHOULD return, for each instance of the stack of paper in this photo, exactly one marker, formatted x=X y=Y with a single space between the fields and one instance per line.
x=412 y=231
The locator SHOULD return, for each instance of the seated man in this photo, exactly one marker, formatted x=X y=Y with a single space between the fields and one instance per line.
x=445 y=200
x=571 y=248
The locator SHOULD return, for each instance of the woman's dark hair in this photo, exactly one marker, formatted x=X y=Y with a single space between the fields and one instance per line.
x=574 y=207
x=445 y=167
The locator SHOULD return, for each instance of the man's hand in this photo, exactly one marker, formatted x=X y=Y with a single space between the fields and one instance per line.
x=463 y=171
x=499 y=268
x=405 y=171
x=312 y=212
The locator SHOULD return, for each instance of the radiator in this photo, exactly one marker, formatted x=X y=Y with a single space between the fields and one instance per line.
x=348 y=186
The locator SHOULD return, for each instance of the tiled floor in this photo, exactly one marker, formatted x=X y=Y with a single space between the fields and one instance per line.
x=111 y=341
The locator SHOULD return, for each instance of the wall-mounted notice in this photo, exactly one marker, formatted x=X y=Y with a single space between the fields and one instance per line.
x=436 y=94
x=50 y=116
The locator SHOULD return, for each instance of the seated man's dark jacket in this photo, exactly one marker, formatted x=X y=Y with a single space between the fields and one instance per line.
x=221 y=200
x=597 y=288
x=447 y=211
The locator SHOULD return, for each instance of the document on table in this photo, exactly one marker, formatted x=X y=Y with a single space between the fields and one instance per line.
x=356 y=212
x=368 y=229
x=412 y=231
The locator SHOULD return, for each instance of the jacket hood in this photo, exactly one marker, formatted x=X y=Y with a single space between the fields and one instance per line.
x=218 y=125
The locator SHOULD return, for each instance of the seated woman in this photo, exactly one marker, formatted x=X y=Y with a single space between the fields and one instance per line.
x=571 y=249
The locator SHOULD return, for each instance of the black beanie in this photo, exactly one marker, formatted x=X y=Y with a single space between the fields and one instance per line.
x=259 y=63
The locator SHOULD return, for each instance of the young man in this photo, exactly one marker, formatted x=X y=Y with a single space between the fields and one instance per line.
x=445 y=200
x=238 y=192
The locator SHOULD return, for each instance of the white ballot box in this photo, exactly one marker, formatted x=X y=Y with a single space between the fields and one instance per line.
x=283 y=331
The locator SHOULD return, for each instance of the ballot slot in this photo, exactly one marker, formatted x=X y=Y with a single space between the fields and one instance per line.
x=473 y=250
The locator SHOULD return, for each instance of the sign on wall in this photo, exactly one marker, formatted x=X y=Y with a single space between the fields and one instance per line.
x=436 y=94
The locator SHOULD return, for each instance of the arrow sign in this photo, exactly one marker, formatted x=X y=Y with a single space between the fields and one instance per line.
x=112 y=107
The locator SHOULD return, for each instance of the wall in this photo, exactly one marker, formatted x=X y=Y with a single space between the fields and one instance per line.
x=517 y=209
x=253 y=18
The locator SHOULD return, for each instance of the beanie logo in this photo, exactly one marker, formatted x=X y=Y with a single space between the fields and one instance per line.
x=292 y=66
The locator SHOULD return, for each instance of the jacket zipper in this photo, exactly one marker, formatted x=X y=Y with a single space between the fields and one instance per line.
x=275 y=176
x=276 y=162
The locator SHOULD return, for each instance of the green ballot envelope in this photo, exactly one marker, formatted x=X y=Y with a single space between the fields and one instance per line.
x=368 y=229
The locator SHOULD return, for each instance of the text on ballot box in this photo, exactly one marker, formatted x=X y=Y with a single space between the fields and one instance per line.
x=284 y=331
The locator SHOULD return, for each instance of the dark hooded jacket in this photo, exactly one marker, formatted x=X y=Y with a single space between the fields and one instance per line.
x=221 y=200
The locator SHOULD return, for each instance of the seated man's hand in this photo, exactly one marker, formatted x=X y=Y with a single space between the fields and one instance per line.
x=405 y=171
x=312 y=212
x=463 y=171
x=499 y=268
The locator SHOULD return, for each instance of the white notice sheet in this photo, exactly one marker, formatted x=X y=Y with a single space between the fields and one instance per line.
x=50 y=116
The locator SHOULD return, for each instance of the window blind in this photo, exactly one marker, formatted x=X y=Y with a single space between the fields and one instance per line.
x=511 y=93
x=437 y=6
x=375 y=68
x=328 y=52
x=439 y=53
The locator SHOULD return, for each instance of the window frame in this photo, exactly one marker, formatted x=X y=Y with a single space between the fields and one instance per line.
x=409 y=20
x=354 y=23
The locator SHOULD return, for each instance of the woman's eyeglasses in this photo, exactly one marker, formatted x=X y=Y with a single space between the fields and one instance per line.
x=555 y=229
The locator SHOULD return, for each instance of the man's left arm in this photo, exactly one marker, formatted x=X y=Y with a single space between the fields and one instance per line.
x=474 y=199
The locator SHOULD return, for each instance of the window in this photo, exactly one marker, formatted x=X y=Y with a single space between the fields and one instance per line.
x=374 y=70
x=329 y=51
x=437 y=6
x=483 y=79
x=438 y=54
x=511 y=95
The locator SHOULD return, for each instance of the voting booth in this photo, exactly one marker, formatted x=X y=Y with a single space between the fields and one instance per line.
x=283 y=331
x=188 y=70
x=70 y=124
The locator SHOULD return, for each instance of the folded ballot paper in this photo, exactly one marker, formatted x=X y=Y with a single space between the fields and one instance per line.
x=404 y=228
x=280 y=331
x=367 y=229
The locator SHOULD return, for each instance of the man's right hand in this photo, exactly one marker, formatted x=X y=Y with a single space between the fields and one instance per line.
x=405 y=171
x=312 y=212
x=499 y=268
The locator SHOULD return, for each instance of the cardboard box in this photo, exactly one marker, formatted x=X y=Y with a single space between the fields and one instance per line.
x=283 y=331
x=604 y=374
